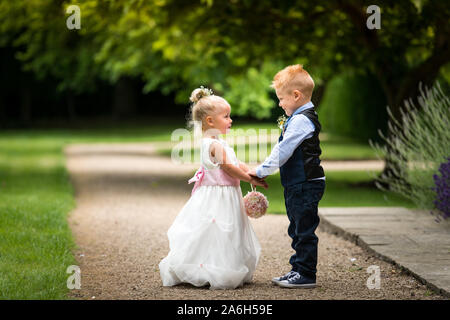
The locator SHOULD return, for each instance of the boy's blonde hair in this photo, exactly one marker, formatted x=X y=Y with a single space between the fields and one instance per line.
x=294 y=77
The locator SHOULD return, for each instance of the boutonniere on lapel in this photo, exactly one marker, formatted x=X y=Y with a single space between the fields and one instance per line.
x=281 y=122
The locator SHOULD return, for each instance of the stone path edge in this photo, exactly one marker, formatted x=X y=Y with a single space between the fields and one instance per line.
x=331 y=228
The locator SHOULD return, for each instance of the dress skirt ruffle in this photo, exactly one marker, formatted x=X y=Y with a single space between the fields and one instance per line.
x=211 y=241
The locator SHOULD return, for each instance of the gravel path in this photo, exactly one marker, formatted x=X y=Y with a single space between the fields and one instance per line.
x=127 y=197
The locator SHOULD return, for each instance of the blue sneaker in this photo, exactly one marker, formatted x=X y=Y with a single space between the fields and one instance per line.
x=282 y=278
x=296 y=280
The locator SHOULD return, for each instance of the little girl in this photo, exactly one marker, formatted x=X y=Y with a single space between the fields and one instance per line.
x=211 y=240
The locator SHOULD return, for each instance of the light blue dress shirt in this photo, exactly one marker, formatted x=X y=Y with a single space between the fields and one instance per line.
x=299 y=129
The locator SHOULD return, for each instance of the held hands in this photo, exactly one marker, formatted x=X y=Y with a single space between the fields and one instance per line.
x=257 y=181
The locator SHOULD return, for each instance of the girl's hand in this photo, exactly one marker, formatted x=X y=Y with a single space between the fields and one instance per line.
x=259 y=182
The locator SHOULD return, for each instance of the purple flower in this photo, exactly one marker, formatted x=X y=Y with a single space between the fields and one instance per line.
x=442 y=188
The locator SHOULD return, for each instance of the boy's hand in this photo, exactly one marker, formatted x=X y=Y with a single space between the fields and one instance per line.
x=252 y=173
x=257 y=180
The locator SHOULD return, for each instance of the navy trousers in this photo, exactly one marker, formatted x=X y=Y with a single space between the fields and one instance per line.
x=302 y=202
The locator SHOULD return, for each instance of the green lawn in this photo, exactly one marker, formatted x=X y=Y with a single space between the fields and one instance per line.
x=343 y=189
x=35 y=241
x=330 y=151
x=335 y=148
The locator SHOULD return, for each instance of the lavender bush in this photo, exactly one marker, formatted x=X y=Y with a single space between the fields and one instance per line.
x=442 y=189
x=417 y=145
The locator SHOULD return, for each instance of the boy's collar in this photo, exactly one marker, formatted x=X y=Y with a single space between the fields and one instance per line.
x=303 y=107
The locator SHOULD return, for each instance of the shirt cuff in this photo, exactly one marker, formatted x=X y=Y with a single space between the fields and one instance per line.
x=258 y=172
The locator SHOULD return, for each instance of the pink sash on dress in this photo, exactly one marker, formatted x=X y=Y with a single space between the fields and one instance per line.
x=214 y=177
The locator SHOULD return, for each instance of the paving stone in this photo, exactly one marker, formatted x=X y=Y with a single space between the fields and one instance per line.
x=405 y=237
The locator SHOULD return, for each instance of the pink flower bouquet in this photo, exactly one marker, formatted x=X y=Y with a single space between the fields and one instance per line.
x=255 y=204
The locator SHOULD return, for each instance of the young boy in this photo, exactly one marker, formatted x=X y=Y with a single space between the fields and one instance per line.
x=297 y=155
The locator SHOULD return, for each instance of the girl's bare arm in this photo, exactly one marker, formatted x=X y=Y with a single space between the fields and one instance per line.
x=218 y=153
x=243 y=166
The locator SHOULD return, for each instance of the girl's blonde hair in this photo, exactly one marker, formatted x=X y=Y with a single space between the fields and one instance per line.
x=204 y=103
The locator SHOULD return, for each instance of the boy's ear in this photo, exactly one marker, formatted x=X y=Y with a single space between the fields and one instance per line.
x=297 y=95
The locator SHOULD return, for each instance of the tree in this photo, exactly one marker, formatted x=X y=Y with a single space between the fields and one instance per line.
x=411 y=46
x=45 y=47
x=176 y=45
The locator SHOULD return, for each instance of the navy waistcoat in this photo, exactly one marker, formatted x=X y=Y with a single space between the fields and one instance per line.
x=304 y=164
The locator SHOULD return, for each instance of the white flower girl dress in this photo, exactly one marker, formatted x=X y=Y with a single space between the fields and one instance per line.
x=211 y=240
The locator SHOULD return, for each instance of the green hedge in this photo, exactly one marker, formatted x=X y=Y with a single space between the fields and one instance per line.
x=353 y=106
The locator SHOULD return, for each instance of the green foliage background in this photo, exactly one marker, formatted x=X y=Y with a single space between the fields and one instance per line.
x=235 y=47
x=354 y=105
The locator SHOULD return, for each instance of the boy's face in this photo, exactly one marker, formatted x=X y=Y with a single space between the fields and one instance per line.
x=289 y=100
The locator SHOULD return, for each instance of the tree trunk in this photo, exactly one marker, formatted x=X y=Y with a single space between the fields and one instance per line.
x=25 y=105
x=318 y=94
x=71 y=106
x=390 y=92
x=2 y=111
x=125 y=98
